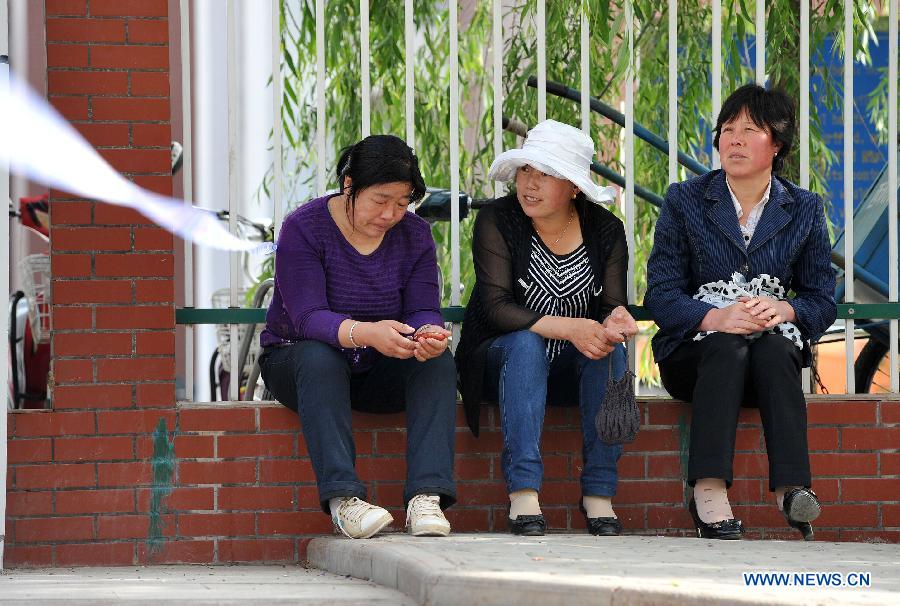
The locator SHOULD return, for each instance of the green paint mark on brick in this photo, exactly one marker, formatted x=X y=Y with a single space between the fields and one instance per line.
x=163 y=465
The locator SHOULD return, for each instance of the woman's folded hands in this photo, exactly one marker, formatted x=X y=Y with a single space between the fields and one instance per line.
x=735 y=319
x=387 y=336
x=749 y=315
x=773 y=311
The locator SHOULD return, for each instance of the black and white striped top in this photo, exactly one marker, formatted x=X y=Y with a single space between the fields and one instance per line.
x=558 y=285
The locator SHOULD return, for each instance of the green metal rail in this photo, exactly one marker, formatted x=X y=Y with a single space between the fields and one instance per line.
x=243 y=315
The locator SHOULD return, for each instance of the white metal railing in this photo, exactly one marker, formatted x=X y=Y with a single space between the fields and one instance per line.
x=630 y=84
x=716 y=6
x=233 y=186
x=893 y=35
x=497 y=54
x=540 y=27
x=585 y=73
x=673 y=90
x=760 y=28
x=804 y=121
x=629 y=153
x=187 y=180
x=365 y=84
x=454 y=156
x=321 y=157
x=409 y=31
x=4 y=284
x=320 y=143
x=848 y=184
x=277 y=134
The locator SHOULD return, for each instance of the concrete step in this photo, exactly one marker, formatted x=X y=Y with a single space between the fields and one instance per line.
x=489 y=569
x=194 y=585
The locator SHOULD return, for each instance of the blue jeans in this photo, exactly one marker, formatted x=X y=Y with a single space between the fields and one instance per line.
x=314 y=378
x=517 y=365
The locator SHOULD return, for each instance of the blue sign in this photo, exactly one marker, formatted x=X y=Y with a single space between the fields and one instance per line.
x=868 y=157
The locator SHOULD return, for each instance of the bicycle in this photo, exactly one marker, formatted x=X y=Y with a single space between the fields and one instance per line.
x=29 y=316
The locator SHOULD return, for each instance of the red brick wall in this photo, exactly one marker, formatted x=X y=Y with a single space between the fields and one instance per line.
x=115 y=474
x=113 y=338
x=239 y=485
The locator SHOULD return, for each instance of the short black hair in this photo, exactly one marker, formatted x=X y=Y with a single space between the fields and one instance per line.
x=379 y=159
x=770 y=109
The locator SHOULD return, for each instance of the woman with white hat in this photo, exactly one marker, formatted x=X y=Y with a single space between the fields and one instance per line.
x=546 y=316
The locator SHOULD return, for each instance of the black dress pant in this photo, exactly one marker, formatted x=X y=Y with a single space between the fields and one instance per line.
x=719 y=373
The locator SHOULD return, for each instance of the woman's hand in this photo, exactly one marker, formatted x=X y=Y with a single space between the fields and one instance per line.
x=735 y=319
x=591 y=338
x=387 y=336
x=773 y=311
x=430 y=341
x=621 y=322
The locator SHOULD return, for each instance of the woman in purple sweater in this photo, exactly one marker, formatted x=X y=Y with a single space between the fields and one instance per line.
x=355 y=323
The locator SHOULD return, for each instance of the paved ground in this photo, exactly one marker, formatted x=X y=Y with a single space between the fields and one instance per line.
x=489 y=569
x=198 y=584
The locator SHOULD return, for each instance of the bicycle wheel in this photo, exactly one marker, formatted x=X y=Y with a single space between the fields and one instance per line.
x=17 y=320
x=872 y=368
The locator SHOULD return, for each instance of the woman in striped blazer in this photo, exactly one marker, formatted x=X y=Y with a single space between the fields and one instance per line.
x=728 y=247
x=546 y=314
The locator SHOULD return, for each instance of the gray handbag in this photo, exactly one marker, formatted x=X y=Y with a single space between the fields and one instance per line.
x=619 y=417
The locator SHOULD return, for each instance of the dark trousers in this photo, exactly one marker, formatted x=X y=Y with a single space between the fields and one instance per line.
x=315 y=378
x=719 y=373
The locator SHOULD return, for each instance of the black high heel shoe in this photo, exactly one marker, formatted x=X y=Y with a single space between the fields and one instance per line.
x=727 y=530
x=527 y=526
x=801 y=506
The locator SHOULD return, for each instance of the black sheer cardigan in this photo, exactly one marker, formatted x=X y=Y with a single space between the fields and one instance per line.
x=501 y=249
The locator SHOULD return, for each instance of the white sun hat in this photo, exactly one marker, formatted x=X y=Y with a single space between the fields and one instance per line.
x=559 y=150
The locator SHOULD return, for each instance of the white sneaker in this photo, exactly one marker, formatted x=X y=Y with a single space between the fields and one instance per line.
x=360 y=520
x=424 y=517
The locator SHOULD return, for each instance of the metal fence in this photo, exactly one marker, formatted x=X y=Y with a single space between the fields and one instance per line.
x=848 y=311
x=4 y=279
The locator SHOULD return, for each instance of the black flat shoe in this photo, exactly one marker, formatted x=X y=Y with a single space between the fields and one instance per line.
x=727 y=530
x=528 y=526
x=604 y=527
x=801 y=506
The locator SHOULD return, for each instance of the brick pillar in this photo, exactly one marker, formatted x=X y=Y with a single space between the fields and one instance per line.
x=113 y=338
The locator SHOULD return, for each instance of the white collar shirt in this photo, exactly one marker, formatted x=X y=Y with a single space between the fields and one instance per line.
x=755 y=213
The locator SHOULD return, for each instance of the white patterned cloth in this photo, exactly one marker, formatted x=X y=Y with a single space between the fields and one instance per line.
x=722 y=294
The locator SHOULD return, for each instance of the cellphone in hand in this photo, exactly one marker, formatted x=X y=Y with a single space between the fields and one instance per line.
x=439 y=336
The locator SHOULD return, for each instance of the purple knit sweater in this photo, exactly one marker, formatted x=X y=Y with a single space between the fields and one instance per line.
x=321 y=280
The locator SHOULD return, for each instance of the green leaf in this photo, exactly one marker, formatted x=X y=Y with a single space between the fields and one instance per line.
x=608 y=62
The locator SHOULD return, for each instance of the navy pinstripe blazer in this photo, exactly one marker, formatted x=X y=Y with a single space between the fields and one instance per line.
x=698 y=240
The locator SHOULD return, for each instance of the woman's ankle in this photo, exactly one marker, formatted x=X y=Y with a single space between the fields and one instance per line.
x=711 y=498
x=524 y=503
x=598 y=507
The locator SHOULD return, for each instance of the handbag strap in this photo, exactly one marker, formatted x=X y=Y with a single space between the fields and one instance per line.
x=627 y=365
